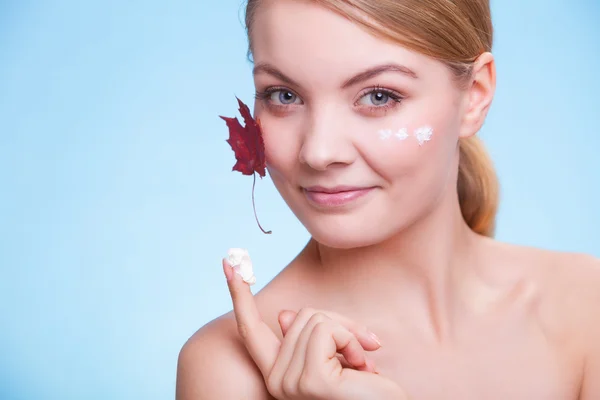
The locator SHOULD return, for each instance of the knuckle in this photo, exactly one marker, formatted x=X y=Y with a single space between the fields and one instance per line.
x=308 y=384
x=321 y=328
x=318 y=317
x=289 y=387
x=274 y=386
x=306 y=312
x=304 y=388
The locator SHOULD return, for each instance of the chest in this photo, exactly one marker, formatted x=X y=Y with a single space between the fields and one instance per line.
x=492 y=366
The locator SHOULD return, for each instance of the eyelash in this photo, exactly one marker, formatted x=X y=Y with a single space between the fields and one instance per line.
x=395 y=98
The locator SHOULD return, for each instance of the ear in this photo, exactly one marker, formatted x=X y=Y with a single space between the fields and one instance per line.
x=479 y=94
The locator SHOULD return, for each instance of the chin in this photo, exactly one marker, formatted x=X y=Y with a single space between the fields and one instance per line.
x=345 y=231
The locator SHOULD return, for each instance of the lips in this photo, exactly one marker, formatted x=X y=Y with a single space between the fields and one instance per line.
x=335 y=196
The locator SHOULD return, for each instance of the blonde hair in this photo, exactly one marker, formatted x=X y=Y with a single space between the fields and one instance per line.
x=455 y=32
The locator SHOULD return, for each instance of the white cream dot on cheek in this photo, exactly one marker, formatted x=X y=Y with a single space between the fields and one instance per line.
x=423 y=134
x=385 y=134
x=402 y=134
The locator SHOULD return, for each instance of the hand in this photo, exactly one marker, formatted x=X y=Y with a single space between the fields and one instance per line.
x=305 y=365
x=367 y=340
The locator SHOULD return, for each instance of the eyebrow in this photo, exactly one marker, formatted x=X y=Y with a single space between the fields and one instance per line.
x=378 y=70
x=358 y=78
x=271 y=70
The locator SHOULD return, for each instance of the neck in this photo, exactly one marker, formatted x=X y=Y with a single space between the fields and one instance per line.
x=425 y=265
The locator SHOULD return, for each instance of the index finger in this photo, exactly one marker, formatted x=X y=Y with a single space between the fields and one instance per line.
x=260 y=341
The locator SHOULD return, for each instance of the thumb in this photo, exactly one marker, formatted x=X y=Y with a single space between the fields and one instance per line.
x=286 y=319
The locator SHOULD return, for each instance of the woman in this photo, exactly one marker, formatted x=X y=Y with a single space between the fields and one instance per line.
x=369 y=111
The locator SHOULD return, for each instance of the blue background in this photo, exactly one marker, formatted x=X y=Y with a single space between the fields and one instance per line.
x=117 y=198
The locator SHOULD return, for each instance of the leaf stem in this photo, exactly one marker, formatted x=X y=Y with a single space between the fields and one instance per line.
x=254 y=206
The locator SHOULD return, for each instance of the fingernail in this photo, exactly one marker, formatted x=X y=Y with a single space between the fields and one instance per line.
x=371 y=366
x=236 y=275
x=375 y=338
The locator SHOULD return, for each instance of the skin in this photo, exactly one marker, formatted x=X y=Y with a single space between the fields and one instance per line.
x=458 y=315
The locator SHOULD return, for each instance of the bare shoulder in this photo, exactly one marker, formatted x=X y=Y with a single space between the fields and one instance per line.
x=567 y=281
x=563 y=288
x=574 y=280
x=578 y=278
x=572 y=277
x=214 y=364
x=577 y=289
x=569 y=294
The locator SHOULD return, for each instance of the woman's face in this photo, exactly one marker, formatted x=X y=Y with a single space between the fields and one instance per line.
x=360 y=133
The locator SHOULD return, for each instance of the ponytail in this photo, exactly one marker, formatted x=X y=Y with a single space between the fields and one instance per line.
x=478 y=188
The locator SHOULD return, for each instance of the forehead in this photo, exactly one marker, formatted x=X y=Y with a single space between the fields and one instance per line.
x=313 y=42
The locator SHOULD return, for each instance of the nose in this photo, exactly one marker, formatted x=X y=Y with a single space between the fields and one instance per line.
x=327 y=142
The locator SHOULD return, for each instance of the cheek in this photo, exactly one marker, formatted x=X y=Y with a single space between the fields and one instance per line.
x=398 y=149
x=281 y=147
x=423 y=136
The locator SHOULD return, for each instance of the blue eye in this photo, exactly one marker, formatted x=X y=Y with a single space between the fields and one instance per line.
x=380 y=99
x=376 y=98
x=283 y=97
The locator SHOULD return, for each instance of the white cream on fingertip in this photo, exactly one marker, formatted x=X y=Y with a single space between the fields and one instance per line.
x=240 y=261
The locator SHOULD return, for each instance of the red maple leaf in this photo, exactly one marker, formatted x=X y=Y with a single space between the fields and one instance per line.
x=248 y=146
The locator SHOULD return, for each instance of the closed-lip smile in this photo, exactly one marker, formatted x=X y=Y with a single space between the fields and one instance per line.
x=335 y=196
